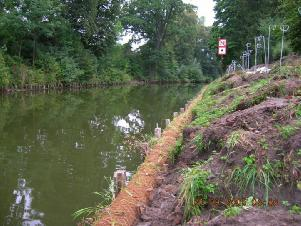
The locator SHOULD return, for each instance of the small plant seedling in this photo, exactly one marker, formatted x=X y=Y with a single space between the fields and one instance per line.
x=232 y=211
x=249 y=201
x=106 y=196
x=285 y=203
x=263 y=143
x=295 y=209
x=223 y=158
x=299 y=152
x=249 y=160
x=199 y=143
x=233 y=139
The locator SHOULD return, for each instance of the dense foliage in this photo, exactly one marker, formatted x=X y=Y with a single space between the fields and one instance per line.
x=240 y=21
x=60 y=42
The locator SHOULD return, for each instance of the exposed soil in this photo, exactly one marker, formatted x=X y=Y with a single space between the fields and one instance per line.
x=257 y=120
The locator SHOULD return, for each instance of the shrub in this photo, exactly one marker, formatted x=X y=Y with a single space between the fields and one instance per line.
x=192 y=72
x=4 y=73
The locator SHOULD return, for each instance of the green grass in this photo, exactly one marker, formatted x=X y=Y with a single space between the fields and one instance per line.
x=210 y=109
x=195 y=187
x=232 y=211
x=250 y=175
x=257 y=85
x=287 y=131
x=233 y=139
x=199 y=143
x=264 y=144
x=176 y=151
x=295 y=209
x=106 y=197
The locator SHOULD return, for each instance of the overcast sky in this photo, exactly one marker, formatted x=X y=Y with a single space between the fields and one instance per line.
x=205 y=9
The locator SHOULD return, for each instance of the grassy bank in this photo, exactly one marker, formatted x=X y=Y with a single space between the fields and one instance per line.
x=240 y=157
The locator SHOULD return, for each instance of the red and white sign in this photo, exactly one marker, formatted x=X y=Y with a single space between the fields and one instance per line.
x=222 y=50
x=222 y=46
x=222 y=42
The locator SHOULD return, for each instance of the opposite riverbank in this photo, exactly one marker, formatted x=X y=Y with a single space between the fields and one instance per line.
x=80 y=86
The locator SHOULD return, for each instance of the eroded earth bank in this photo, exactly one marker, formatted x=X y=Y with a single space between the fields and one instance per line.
x=239 y=161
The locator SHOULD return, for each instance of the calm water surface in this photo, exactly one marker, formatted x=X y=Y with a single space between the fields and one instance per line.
x=56 y=149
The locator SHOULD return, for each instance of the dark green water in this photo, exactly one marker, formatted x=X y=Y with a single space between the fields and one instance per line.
x=56 y=149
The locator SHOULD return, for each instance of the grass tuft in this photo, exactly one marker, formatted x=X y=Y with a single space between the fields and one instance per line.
x=199 y=142
x=176 y=151
x=106 y=198
x=232 y=211
x=287 y=131
x=295 y=209
x=195 y=190
x=251 y=175
x=233 y=139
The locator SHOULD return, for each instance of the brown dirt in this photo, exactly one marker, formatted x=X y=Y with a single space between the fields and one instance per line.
x=256 y=122
x=255 y=217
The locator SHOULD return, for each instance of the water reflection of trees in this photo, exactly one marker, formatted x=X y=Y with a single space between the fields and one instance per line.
x=66 y=143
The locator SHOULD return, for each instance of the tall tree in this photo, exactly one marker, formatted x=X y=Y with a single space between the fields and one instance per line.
x=95 y=22
x=238 y=21
x=152 y=20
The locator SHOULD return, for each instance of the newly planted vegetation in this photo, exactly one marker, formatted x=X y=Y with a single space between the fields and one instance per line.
x=251 y=174
x=199 y=143
x=233 y=139
x=195 y=190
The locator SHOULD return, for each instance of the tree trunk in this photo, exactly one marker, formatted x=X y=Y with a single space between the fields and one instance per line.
x=34 y=51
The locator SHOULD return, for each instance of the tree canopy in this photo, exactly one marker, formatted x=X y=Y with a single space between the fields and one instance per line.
x=60 y=41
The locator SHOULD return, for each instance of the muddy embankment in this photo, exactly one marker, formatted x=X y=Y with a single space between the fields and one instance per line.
x=238 y=162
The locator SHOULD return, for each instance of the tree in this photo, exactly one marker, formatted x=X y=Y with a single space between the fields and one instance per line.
x=292 y=17
x=151 y=20
x=94 y=21
x=238 y=21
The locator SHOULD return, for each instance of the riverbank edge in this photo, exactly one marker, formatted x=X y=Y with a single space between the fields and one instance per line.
x=125 y=209
x=79 y=86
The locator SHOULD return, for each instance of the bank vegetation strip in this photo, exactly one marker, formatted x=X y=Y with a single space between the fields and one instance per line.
x=124 y=210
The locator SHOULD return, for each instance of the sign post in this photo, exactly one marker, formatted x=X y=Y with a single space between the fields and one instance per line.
x=222 y=47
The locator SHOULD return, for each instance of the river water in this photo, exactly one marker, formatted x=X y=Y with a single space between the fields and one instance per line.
x=57 y=148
